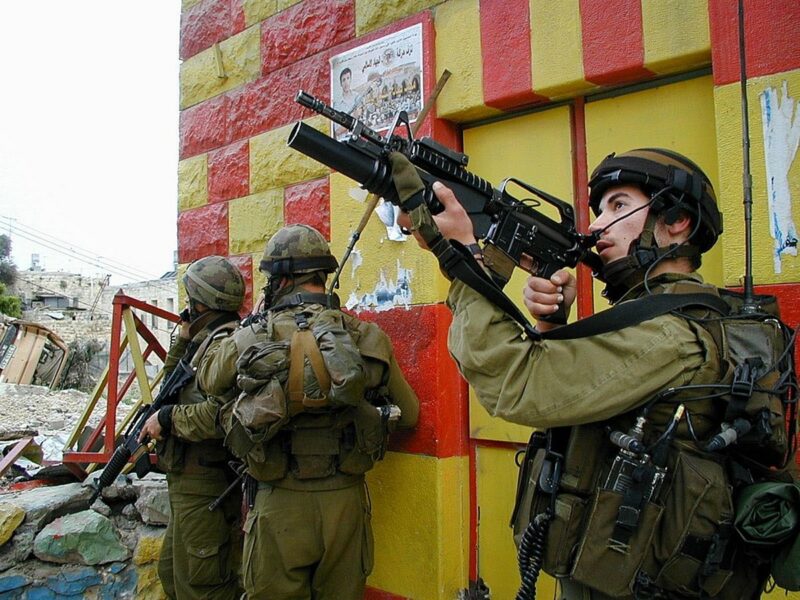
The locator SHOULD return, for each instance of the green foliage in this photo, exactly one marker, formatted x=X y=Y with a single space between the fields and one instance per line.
x=9 y=305
x=8 y=270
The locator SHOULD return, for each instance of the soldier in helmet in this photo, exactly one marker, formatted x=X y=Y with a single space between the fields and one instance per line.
x=314 y=394
x=619 y=498
x=199 y=556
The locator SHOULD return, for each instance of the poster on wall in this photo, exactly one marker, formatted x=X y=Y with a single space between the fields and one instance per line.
x=375 y=81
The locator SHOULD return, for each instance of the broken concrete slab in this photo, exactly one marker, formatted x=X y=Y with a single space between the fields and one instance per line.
x=43 y=504
x=153 y=502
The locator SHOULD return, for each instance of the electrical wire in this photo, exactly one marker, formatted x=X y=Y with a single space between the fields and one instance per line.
x=87 y=257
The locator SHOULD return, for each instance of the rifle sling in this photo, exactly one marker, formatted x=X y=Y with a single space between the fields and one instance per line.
x=634 y=312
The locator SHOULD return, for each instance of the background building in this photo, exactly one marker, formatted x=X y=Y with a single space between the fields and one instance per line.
x=540 y=90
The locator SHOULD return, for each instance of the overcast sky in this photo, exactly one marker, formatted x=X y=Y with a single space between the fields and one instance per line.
x=89 y=134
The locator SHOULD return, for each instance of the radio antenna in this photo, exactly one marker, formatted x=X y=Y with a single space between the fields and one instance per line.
x=749 y=305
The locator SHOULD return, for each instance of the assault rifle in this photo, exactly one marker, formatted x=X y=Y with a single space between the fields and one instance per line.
x=513 y=232
x=168 y=394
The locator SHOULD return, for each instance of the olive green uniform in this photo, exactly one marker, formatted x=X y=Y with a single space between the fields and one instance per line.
x=592 y=385
x=310 y=537
x=200 y=552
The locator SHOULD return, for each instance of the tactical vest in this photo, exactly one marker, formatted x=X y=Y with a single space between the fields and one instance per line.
x=312 y=410
x=635 y=507
x=208 y=457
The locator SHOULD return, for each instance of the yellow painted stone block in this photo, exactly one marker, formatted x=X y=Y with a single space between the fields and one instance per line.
x=729 y=139
x=676 y=35
x=371 y=15
x=148 y=548
x=192 y=182
x=203 y=76
x=378 y=265
x=182 y=298
x=148 y=585
x=458 y=49
x=556 y=48
x=420 y=520
x=273 y=164
x=258 y=10
x=11 y=517
x=185 y=4
x=253 y=219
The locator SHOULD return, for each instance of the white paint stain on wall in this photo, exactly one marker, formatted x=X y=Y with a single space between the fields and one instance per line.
x=781 y=137
x=387 y=294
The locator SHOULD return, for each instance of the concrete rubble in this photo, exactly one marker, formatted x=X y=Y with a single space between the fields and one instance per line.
x=65 y=541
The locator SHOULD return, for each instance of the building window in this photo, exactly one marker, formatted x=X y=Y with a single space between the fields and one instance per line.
x=154 y=318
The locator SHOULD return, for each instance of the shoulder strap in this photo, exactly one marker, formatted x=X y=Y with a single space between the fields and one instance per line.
x=303 y=345
x=634 y=312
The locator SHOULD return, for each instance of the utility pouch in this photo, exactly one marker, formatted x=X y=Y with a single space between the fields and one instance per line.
x=269 y=461
x=586 y=451
x=608 y=570
x=171 y=453
x=693 y=549
x=363 y=442
x=314 y=452
x=261 y=408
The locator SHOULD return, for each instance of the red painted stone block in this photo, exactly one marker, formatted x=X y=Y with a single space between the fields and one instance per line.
x=229 y=172
x=208 y=22
x=269 y=102
x=303 y=30
x=244 y=262
x=203 y=232
x=204 y=127
x=506 y=53
x=309 y=203
x=419 y=337
x=772 y=37
x=371 y=593
x=613 y=41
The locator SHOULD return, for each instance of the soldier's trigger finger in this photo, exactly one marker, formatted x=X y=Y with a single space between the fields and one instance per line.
x=406 y=180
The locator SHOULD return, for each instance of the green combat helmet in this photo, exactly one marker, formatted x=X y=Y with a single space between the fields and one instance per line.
x=297 y=249
x=215 y=282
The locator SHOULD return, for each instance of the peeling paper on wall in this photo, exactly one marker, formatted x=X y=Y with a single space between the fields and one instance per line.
x=781 y=128
x=355 y=261
x=387 y=294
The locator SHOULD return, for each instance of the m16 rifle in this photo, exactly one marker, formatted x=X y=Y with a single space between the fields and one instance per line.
x=513 y=232
x=168 y=394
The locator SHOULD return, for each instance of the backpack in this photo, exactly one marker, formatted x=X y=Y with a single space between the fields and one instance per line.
x=318 y=368
x=312 y=401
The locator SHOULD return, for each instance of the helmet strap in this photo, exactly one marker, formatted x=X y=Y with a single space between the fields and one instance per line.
x=625 y=273
x=273 y=292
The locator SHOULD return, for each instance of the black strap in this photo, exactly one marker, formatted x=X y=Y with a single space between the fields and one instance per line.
x=634 y=312
x=459 y=263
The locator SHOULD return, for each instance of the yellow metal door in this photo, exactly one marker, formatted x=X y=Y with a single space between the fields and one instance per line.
x=538 y=149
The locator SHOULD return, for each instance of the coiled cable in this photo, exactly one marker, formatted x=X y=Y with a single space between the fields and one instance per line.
x=530 y=556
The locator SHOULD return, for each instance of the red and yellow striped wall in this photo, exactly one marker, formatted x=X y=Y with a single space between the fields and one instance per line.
x=441 y=496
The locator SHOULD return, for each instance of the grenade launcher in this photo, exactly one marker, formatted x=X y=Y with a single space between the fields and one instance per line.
x=514 y=233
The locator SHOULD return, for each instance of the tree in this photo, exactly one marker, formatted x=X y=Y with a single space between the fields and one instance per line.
x=8 y=270
x=9 y=305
